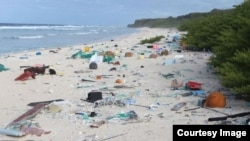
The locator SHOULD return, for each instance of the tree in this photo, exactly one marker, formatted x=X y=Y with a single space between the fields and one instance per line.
x=228 y=37
x=235 y=73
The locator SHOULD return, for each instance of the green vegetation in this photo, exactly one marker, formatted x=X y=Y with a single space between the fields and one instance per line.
x=226 y=33
x=151 y=40
x=227 y=36
x=174 y=22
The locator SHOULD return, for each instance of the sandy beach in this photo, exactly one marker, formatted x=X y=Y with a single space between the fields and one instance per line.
x=137 y=109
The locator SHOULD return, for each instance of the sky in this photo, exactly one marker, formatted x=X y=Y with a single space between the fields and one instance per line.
x=102 y=12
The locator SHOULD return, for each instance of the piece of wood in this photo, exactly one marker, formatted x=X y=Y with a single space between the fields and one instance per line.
x=229 y=116
x=29 y=114
x=86 y=80
x=140 y=105
x=192 y=109
x=46 y=102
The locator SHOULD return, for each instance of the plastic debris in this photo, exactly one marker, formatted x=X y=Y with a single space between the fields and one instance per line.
x=178 y=106
x=11 y=132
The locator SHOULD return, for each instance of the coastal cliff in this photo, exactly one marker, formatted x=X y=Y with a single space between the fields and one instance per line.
x=173 y=21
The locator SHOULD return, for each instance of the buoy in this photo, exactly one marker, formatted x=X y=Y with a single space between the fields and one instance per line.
x=215 y=99
x=119 y=81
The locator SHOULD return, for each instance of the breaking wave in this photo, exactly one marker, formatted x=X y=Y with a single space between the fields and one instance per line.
x=39 y=27
x=27 y=37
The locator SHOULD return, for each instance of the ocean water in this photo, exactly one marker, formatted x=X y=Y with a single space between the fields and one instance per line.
x=21 y=37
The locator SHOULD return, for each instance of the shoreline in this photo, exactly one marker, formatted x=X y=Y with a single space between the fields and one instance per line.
x=76 y=39
x=148 y=91
x=81 y=46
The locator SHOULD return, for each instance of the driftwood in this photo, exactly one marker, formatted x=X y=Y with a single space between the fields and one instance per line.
x=29 y=114
x=21 y=128
x=192 y=109
x=46 y=102
x=140 y=105
x=229 y=116
x=86 y=80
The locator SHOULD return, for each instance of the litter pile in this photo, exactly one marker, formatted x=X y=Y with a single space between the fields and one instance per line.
x=121 y=92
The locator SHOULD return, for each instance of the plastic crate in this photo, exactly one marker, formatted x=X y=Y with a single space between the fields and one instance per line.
x=193 y=85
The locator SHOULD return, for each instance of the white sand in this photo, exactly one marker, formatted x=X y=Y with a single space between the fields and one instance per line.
x=149 y=88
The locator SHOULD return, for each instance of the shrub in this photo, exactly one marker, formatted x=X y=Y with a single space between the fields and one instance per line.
x=151 y=40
